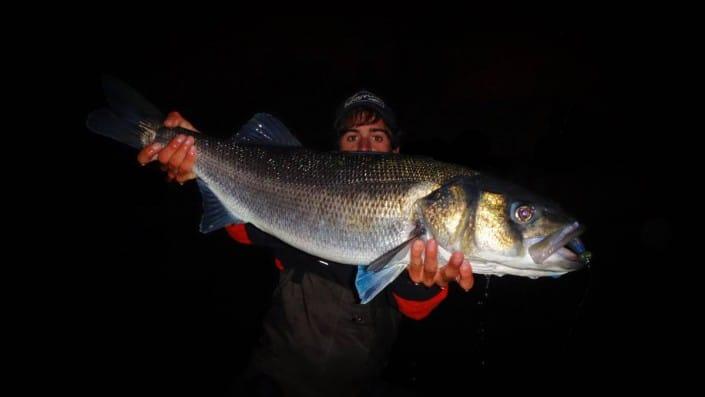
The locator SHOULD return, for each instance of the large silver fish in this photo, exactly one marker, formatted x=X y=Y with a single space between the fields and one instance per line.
x=360 y=209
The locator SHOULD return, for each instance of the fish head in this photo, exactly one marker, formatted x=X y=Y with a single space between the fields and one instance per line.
x=502 y=228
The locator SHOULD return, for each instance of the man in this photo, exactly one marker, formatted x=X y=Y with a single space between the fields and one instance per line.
x=318 y=339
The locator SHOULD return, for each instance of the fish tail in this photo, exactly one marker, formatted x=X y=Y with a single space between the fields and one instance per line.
x=129 y=119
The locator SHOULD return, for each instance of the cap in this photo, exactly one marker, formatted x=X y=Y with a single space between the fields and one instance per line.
x=366 y=100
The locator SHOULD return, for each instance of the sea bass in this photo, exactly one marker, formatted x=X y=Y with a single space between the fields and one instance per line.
x=361 y=209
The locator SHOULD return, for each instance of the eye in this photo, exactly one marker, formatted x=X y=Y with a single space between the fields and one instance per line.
x=351 y=137
x=524 y=213
x=379 y=138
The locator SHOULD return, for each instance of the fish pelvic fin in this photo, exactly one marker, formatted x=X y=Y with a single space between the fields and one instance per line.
x=215 y=215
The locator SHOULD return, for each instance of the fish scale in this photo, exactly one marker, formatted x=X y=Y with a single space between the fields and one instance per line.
x=346 y=207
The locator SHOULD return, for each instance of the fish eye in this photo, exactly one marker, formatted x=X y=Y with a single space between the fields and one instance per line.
x=524 y=213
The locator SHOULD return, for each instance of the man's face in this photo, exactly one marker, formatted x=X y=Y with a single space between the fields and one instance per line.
x=367 y=138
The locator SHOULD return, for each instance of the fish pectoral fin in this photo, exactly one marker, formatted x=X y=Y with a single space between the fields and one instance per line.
x=215 y=215
x=395 y=254
x=372 y=279
x=265 y=129
x=370 y=283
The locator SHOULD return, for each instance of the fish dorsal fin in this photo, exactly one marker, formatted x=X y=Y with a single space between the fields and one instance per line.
x=265 y=129
x=215 y=215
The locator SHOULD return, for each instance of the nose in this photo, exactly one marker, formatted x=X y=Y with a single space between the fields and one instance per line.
x=365 y=144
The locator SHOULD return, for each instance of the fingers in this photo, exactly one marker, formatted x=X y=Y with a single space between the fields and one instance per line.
x=178 y=156
x=423 y=267
x=169 y=150
x=450 y=271
x=149 y=153
x=185 y=172
x=166 y=154
x=172 y=119
x=416 y=262
x=176 y=162
x=467 y=280
x=175 y=119
x=430 y=266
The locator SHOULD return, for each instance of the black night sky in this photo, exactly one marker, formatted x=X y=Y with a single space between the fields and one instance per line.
x=169 y=310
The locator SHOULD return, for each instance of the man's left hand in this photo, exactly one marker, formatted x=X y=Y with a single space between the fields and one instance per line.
x=423 y=267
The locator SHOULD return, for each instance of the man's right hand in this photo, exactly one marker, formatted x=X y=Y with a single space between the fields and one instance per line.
x=178 y=156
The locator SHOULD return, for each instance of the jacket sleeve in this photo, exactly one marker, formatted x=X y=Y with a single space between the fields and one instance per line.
x=239 y=233
x=244 y=233
x=416 y=301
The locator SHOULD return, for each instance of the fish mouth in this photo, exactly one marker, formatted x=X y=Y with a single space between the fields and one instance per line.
x=565 y=244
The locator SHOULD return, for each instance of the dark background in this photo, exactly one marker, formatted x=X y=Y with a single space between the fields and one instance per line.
x=165 y=309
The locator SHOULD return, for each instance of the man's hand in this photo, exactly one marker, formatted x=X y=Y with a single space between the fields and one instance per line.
x=178 y=156
x=423 y=268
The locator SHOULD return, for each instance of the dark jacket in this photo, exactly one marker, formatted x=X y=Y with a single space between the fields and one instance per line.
x=318 y=339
